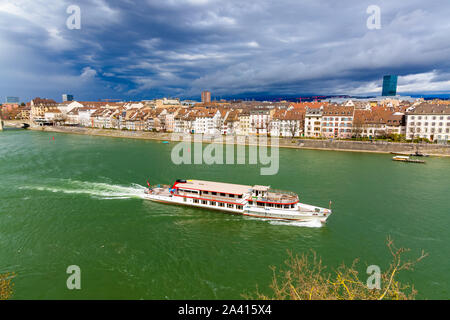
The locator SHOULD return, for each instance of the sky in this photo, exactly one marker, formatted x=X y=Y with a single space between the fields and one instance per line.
x=134 y=50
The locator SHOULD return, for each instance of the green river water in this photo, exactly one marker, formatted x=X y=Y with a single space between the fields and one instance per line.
x=77 y=200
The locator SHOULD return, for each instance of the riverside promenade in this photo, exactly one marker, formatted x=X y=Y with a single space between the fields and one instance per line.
x=297 y=143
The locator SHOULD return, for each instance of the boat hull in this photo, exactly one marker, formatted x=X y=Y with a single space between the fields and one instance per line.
x=309 y=213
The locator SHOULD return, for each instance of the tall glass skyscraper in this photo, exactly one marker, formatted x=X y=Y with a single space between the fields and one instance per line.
x=389 y=86
x=67 y=97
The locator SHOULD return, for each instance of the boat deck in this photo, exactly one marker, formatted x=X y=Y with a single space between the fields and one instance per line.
x=210 y=197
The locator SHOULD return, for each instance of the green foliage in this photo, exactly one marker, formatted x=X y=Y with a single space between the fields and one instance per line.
x=305 y=277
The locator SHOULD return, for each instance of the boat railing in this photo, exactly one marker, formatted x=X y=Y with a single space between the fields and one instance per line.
x=210 y=197
x=284 y=192
x=278 y=198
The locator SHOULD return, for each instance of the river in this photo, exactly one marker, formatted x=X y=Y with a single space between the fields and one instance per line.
x=77 y=200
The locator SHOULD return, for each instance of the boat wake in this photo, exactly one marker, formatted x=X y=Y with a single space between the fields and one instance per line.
x=307 y=224
x=96 y=190
x=304 y=224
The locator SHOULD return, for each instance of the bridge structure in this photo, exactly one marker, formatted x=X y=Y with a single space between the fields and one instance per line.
x=18 y=124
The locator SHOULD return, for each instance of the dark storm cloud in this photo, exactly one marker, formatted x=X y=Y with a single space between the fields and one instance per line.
x=140 y=49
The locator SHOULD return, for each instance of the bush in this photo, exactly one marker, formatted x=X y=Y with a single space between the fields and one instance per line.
x=305 y=278
x=6 y=285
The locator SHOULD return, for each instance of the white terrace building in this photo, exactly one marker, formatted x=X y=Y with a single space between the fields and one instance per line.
x=244 y=124
x=287 y=123
x=259 y=121
x=84 y=116
x=231 y=123
x=313 y=122
x=337 y=122
x=207 y=122
x=430 y=121
x=183 y=121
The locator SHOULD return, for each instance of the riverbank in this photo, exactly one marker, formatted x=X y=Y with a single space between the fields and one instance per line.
x=313 y=144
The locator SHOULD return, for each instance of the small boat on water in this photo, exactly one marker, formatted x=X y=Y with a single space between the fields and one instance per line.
x=407 y=159
x=419 y=154
x=255 y=201
x=415 y=154
x=401 y=153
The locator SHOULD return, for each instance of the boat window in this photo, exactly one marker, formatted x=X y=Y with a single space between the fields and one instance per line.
x=229 y=205
x=195 y=201
x=204 y=202
x=250 y=202
x=240 y=196
x=221 y=204
x=292 y=206
x=222 y=194
x=239 y=207
x=212 y=203
x=260 y=204
x=205 y=192
x=286 y=206
x=278 y=205
x=231 y=195
x=214 y=193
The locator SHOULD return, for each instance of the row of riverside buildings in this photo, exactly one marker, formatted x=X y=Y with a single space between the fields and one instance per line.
x=413 y=119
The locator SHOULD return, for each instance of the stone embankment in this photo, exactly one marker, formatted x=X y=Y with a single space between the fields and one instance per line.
x=315 y=144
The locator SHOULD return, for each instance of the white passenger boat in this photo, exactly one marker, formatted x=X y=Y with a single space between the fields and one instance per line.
x=255 y=201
